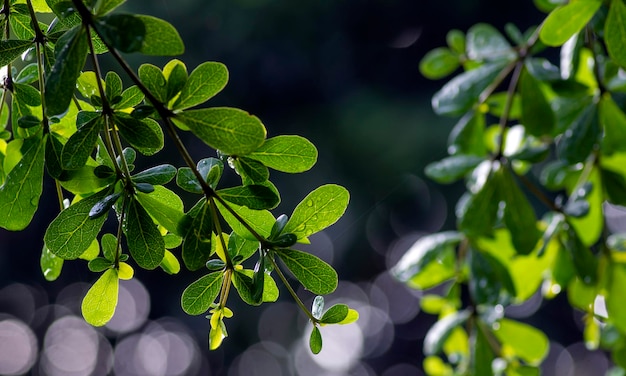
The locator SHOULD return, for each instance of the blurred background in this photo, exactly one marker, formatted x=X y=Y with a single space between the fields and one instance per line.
x=343 y=74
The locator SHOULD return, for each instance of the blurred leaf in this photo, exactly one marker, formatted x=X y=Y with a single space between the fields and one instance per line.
x=490 y=281
x=615 y=32
x=613 y=122
x=439 y=63
x=456 y=41
x=467 y=136
x=318 y=210
x=563 y=22
x=124 y=32
x=161 y=38
x=439 y=333
x=462 y=92
x=99 y=304
x=484 y=42
x=313 y=273
x=525 y=341
x=203 y=83
x=144 y=240
x=423 y=252
x=436 y=272
x=482 y=208
x=585 y=263
x=578 y=141
x=199 y=295
x=290 y=154
x=615 y=296
x=589 y=228
x=50 y=264
x=537 y=116
x=315 y=341
x=229 y=130
x=317 y=308
x=482 y=354
x=519 y=215
x=451 y=169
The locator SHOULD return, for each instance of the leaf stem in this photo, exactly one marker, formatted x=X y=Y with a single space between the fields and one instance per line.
x=292 y=292
x=220 y=234
x=120 y=228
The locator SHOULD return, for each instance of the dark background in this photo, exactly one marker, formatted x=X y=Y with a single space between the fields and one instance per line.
x=345 y=75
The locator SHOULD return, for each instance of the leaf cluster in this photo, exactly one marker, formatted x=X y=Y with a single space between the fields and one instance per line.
x=540 y=146
x=85 y=129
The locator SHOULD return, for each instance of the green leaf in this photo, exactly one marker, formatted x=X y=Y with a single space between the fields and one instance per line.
x=523 y=340
x=229 y=130
x=21 y=27
x=318 y=210
x=197 y=243
x=175 y=72
x=585 y=263
x=616 y=295
x=256 y=197
x=519 y=215
x=158 y=175
x=203 y=83
x=50 y=264
x=131 y=97
x=199 y=295
x=290 y=154
x=439 y=333
x=314 y=274
x=242 y=280
x=315 y=341
x=22 y=188
x=490 y=281
x=109 y=246
x=145 y=135
x=99 y=304
x=482 y=355
x=537 y=116
x=164 y=206
x=72 y=231
x=170 y=263
x=423 y=252
x=613 y=122
x=12 y=49
x=562 y=23
x=99 y=264
x=579 y=140
x=113 y=85
x=484 y=42
x=451 y=169
x=124 y=32
x=251 y=171
x=261 y=221
x=105 y=6
x=144 y=240
x=335 y=314
x=161 y=38
x=589 y=228
x=102 y=207
x=615 y=32
x=467 y=136
x=80 y=145
x=462 y=92
x=70 y=53
x=439 y=63
x=481 y=209
x=152 y=77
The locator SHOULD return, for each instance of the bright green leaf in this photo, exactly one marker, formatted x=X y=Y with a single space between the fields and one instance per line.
x=616 y=295
x=99 y=304
x=203 y=83
x=439 y=63
x=335 y=314
x=161 y=38
x=562 y=23
x=12 y=49
x=291 y=154
x=261 y=221
x=80 y=145
x=144 y=240
x=523 y=340
x=199 y=295
x=439 y=333
x=170 y=263
x=164 y=206
x=124 y=32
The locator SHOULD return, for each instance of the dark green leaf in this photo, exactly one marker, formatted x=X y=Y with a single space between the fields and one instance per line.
x=144 y=240
x=161 y=38
x=27 y=94
x=451 y=169
x=519 y=215
x=203 y=83
x=462 y=92
x=255 y=197
x=315 y=341
x=105 y=6
x=481 y=209
x=102 y=207
x=285 y=240
x=484 y=42
x=186 y=179
x=439 y=63
x=70 y=53
x=108 y=244
x=28 y=75
x=28 y=121
x=335 y=314
x=124 y=32
x=468 y=135
x=537 y=115
x=613 y=122
x=229 y=130
x=318 y=210
x=198 y=296
x=22 y=188
x=291 y=154
x=197 y=243
x=439 y=333
x=542 y=69
x=72 y=231
x=113 y=84
x=81 y=144
x=482 y=354
x=423 y=252
x=314 y=274
x=157 y=175
x=142 y=112
x=145 y=135
x=615 y=32
x=251 y=171
x=258 y=280
x=12 y=49
x=578 y=141
x=490 y=282
x=614 y=186
x=211 y=169
x=585 y=263
x=99 y=264
x=564 y=22
x=279 y=225
x=215 y=264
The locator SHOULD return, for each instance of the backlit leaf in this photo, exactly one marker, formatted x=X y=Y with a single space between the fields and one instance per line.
x=199 y=295
x=439 y=63
x=144 y=240
x=314 y=274
x=203 y=83
x=523 y=340
x=562 y=23
x=315 y=341
x=164 y=206
x=99 y=304
x=161 y=38
x=335 y=314
x=286 y=153
x=439 y=333
x=12 y=49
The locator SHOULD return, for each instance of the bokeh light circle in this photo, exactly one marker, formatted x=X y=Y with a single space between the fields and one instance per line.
x=18 y=347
